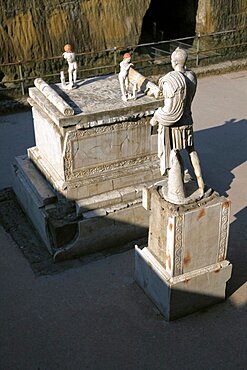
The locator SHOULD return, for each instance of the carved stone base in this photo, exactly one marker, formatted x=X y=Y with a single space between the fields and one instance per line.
x=94 y=153
x=96 y=184
x=73 y=228
x=184 y=294
x=184 y=266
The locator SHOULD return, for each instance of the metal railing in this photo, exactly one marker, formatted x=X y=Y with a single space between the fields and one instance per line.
x=148 y=58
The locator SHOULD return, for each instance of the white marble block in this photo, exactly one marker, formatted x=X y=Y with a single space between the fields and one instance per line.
x=95 y=152
x=184 y=267
x=103 y=146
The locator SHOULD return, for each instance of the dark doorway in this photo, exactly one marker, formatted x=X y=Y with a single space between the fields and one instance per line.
x=169 y=19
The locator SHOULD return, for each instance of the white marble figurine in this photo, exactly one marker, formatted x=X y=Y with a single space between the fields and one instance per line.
x=124 y=78
x=69 y=55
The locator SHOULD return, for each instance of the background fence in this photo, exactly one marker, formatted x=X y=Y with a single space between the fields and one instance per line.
x=150 y=58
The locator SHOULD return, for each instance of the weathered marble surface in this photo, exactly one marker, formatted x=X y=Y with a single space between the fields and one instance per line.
x=96 y=101
x=103 y=147
x=184 y=266
x=96 y=163
x=182 y=295
x=191 y=237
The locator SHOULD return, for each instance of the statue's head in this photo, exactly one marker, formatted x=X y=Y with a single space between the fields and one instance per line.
x=68 y=48
x=127 y=57
x=179 y=57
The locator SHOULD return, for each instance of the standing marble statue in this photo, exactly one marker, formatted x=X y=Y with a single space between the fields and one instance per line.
x=69 y=55
x=175 y=126
x=123 y=77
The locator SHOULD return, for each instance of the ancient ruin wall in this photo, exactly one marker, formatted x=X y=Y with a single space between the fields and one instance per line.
x=221 y=15
x=31 y=29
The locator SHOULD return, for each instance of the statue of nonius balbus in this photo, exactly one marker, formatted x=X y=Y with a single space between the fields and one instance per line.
x=175 y=131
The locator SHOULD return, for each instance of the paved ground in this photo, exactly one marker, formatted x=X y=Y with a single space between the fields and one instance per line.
x=16 y=135
x=94 y=316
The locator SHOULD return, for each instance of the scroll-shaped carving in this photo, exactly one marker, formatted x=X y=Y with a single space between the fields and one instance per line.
x=53 y=97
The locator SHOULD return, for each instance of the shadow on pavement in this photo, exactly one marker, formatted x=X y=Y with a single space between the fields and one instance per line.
x=221 y=150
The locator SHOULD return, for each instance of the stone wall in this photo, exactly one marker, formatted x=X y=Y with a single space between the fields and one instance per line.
x=36 y=29
x=39 y=28
x=31 y=29
x=220 y=15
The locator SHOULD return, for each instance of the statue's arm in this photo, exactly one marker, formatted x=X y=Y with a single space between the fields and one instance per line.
x=161 y=113
x=124 y=68
x=168 y=105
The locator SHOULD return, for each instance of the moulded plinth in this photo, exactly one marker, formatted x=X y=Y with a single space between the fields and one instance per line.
x=184 y=294
x=184 y=267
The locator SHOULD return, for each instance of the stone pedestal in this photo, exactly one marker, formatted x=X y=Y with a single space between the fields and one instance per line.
x=81 y=185
x=184 y=266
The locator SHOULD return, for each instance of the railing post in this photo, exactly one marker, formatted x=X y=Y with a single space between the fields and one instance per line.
x=132 y=53
x=115 y=60
x=21 y=78
x=198 y=49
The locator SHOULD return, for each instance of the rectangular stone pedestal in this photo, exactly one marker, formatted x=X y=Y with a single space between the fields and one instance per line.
x=81 y=185
x=181 y=295
x=70 y=229
x=184 y=266
x=105 y=145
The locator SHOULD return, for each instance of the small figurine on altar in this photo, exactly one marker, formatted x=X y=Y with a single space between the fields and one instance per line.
x=69 y=55
x=123 y=77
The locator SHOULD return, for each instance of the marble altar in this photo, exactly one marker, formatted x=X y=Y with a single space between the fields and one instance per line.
x=81 y=185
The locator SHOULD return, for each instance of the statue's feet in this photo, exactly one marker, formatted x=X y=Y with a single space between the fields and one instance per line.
x=131 y=97
x=208 y=192
x=201 y=193
x=204 y=193
x=124 y=98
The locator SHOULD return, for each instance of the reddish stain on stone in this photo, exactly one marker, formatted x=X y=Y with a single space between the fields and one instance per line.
x=201 y=214
x=187 y=260
x=168 y=257
x=170 y=227
x=226 y=204
x=186 y=281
